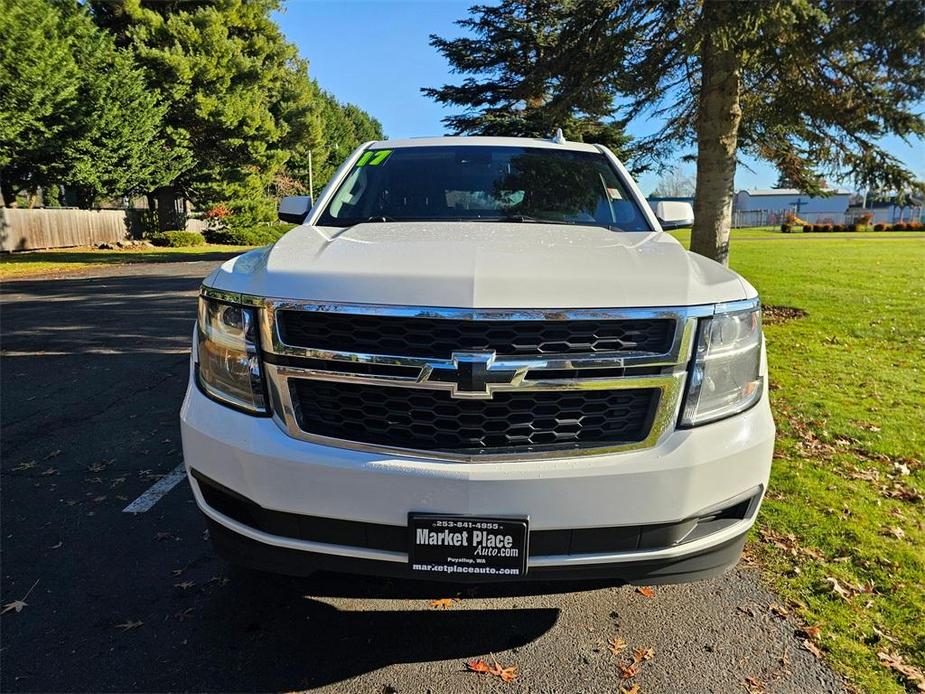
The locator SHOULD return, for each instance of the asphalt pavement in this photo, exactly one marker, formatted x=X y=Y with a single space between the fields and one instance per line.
x=92 y=374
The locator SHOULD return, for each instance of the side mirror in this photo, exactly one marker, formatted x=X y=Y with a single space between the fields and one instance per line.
x=294 y=208
x=673 y=214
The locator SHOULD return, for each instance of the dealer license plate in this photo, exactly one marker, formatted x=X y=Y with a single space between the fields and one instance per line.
x=467 y=547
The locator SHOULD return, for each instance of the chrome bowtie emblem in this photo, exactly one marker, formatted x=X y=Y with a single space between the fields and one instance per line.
x=475 y=375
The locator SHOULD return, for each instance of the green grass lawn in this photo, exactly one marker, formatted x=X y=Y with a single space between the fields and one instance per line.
x=848 y=392
x=15 y=265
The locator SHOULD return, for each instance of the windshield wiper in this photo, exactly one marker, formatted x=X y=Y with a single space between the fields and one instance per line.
x=523 y=218
x=377 y=218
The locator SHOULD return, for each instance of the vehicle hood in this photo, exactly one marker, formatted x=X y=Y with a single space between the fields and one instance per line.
x=481 y=265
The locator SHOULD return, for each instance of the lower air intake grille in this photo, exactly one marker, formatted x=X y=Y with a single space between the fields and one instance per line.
x=430 y=420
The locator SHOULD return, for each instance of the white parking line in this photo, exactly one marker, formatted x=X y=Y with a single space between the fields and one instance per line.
x=158 y=489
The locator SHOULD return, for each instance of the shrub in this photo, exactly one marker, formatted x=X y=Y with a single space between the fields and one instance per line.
x=219 y=212
x=807 y=228
x=879 y=227
x=914 y=226
x=851 y=227
x=786 y=228
x=246 y=213
x=178 y=239
x=901 y=226
x=251 y=236
x=826 y=228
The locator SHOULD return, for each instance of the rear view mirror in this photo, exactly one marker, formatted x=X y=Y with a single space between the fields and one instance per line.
x=673 y=214
x=294 y=208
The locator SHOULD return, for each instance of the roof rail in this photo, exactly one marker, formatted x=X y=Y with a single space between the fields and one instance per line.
x=558 y=138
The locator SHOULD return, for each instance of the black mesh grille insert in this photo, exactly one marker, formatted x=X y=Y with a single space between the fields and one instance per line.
x=510 y=422
x=439 y=337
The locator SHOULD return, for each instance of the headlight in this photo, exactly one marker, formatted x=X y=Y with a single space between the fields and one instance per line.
x=725 y=378
x=228 y=366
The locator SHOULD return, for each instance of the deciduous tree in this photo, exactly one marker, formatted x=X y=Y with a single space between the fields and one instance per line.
x=675 y=184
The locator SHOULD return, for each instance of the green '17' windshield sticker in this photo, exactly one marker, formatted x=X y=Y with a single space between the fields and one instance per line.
x=374 y=157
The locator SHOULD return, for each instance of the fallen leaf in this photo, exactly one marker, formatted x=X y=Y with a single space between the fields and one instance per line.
x=753 y=684
x=896 y=532
x=186 y=614
x=505 y=674
x=812 y=632
x=24 y=466
x=838 y=588
x=443 y=603
x=632 y=690
x=628 y=671
x=643 y=654
x=779 y=610
x=616 y=645
x=508 y=674
x=812 y=648
x=53 y=454
x=884 y=635
x=911 y=674
x=186 y=585
x=18 y=605
x=57 y=546
x=478 y=666
x=129 y=624
x=646 y=591
x=49 y=471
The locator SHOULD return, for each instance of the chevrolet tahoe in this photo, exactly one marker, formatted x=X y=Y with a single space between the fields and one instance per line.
x=479 y=359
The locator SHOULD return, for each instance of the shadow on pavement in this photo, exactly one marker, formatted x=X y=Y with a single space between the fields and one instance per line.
x=286 y=639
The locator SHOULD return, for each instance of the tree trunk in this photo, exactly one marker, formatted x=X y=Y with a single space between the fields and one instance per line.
x=718 y=116
x=84 y=197
x=166 y=208
x=7 y=191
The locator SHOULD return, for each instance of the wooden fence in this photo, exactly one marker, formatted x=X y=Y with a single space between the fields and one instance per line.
x=26 y=230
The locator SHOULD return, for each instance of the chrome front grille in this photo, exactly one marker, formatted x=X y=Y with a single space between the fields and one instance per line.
x=469 y=404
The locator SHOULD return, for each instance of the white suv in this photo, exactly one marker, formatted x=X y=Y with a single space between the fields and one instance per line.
x=479 y=359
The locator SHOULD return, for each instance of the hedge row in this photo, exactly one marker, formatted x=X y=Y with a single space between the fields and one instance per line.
x=177 y=239
x=250 y=236
x=815 y=228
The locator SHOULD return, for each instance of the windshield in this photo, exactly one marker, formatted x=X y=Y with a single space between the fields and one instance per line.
x=476 y=183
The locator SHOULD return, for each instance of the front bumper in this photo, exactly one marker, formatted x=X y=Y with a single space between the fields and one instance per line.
x=657 y=493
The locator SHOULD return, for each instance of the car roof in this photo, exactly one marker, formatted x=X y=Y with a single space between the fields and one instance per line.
x=483 y=142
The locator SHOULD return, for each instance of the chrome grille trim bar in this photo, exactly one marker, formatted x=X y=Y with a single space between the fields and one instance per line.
x=685 y=322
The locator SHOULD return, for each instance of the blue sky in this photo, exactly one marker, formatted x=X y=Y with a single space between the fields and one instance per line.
x=375 y=54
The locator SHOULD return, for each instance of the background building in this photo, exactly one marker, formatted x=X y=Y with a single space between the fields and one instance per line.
x=761 y=207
